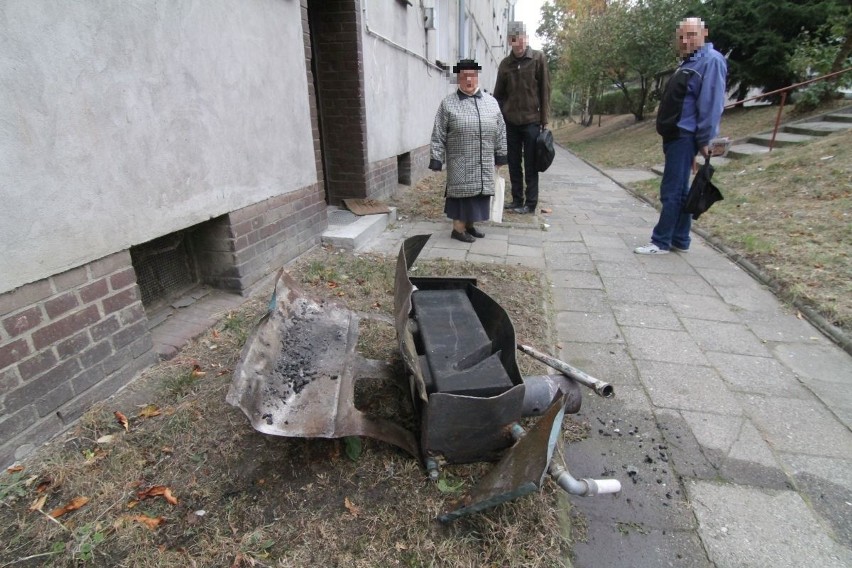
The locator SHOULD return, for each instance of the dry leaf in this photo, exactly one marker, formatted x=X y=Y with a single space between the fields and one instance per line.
x=42 y=487
x=332 y=284
x=158 y=491
x=197 y=372
x=132 y=503
x=543 y=210
x=73 y=505
x=150 y=522
x=122 y=419
x=215 y=334
x=106 y=439
x=799 y=315
x=15 y=469
x=167 y=449
x=350 y=507
x=149 y=411
x=400 y=547
x=38 y=504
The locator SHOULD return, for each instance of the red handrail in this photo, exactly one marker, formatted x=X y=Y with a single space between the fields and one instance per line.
x=783 y=92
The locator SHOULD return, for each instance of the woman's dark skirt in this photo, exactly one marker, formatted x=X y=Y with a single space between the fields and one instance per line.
x=468 y=209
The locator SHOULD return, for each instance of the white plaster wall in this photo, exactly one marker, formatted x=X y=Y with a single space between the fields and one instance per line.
x=402 y=92
x=123 y=121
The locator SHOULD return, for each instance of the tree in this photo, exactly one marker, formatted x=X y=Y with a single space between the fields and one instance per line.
x=759 y=37
x=626 y=46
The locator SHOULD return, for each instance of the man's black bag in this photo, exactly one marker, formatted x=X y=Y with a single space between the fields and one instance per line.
x=702 y=193
x=544 y=152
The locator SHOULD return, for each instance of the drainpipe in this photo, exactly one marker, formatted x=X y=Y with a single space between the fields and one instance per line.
x=462 y=34
x=391 y=42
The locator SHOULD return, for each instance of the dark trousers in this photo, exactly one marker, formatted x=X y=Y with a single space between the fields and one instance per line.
x=673 y=226
x=520 y=140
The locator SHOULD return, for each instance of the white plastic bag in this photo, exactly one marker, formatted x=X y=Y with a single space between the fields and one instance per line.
x=497 y=200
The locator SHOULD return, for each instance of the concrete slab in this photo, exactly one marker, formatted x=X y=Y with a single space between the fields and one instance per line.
x=822 y=128
x=564 y=262
x=663 y=345
x=821 y=362
x=752 y=298
x=781 y=139
x=724 y=337
x=633 y=545
x=576 y=279
x=751 y=462
x=758 y=375
x=581 y=300
x=701 y=307
x=742 y=526
x=581 y=327
x=687 y=387
x=645 y=290
x=827 y=483
x=648 y=316
x=799 y=426
x=608 y=362
x=782 y=327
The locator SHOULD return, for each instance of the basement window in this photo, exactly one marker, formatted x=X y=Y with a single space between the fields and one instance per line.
x=165 y=269
x=403 y=168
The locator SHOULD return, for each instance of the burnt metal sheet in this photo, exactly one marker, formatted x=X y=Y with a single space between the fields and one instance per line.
x=521 y=470
x=464 y=429
x=297 y=372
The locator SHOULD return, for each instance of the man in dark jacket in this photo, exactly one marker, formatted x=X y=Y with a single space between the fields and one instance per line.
x=688 y=118
x=523 y=91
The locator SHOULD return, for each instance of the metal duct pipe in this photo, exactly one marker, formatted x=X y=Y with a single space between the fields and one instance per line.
x=582 y=487
x=540 y=390
x=601 y=388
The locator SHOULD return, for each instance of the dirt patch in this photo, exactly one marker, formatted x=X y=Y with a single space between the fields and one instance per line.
x=246 y=499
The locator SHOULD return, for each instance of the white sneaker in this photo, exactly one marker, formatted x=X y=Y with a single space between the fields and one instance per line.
x=650 y=248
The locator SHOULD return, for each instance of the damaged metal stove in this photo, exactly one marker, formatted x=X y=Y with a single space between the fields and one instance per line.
x=298 y=372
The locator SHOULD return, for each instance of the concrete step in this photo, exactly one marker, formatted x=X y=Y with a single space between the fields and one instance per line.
x=349 y=231
x=821 y=128
x=838 y=117
x=744 y=150
x=781 y=139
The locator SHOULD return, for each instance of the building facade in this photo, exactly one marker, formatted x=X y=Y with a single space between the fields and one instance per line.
x=147 y=147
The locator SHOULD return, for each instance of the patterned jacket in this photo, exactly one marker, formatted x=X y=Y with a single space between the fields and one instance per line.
x=470 y=135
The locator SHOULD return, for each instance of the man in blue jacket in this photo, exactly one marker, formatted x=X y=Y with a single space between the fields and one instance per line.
x=688 y=118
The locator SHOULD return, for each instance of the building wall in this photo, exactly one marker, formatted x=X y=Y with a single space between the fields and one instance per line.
x=66 y=342
x=123 y=123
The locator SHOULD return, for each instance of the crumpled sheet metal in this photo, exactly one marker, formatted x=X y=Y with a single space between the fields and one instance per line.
x=522 y=469
x=297 y=373
x=403 y=288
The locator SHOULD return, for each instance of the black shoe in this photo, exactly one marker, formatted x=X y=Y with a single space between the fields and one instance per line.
x=474 y=232
x=463 y=237
x=525 y=210
x=513 y=205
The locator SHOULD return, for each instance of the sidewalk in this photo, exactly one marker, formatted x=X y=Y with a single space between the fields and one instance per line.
x=730 y=430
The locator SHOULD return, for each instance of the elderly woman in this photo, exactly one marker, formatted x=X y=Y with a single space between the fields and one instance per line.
x=470 y=136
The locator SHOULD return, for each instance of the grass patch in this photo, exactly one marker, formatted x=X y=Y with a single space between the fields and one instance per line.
x=246 y=499
x=788 y=212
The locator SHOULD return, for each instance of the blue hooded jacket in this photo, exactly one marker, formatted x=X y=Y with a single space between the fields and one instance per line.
x=694 y=97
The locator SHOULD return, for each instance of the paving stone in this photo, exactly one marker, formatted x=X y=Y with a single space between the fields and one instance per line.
x=620 y=269
x=690 y=284
x=730 y=275
x=671 y=263
x=581 y=300
x=724 y=337
x=828 y=484
x=716 y=432
x=837 y=397
x=526 y=252
x=645 y=290
x=742 y=526
x=759 y=375
x=491 y=247
x=536 y=262
x=644 y=315
x=558 y=249
x=608 y=362
x=687 y=387
x=583 y=327
x=782 y=327
x=821 y=362
x=750 y=298
x=626 y=545
x=701 y=307
x=799 y=426
x=663 y=345
x=751 y=462
x=688 y=457
x=570 y=262
x=453 y=254
x=577 y=279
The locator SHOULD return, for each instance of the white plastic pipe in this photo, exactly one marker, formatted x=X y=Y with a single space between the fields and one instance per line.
x=582 y=487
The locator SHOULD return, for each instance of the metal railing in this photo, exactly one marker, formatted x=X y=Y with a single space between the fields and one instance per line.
x=783 y=93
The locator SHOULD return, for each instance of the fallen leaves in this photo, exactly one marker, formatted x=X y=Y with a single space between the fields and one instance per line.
x=353 y=510
x=149 y=411
x=122 y=419
x=72 y=505
x=38 y=504
x=158 y=491
x=150 y=522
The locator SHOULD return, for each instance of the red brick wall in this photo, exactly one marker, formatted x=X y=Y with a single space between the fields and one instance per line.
x=65 y=342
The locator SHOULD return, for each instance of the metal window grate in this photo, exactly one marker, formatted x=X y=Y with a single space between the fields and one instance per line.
x=164 y=268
